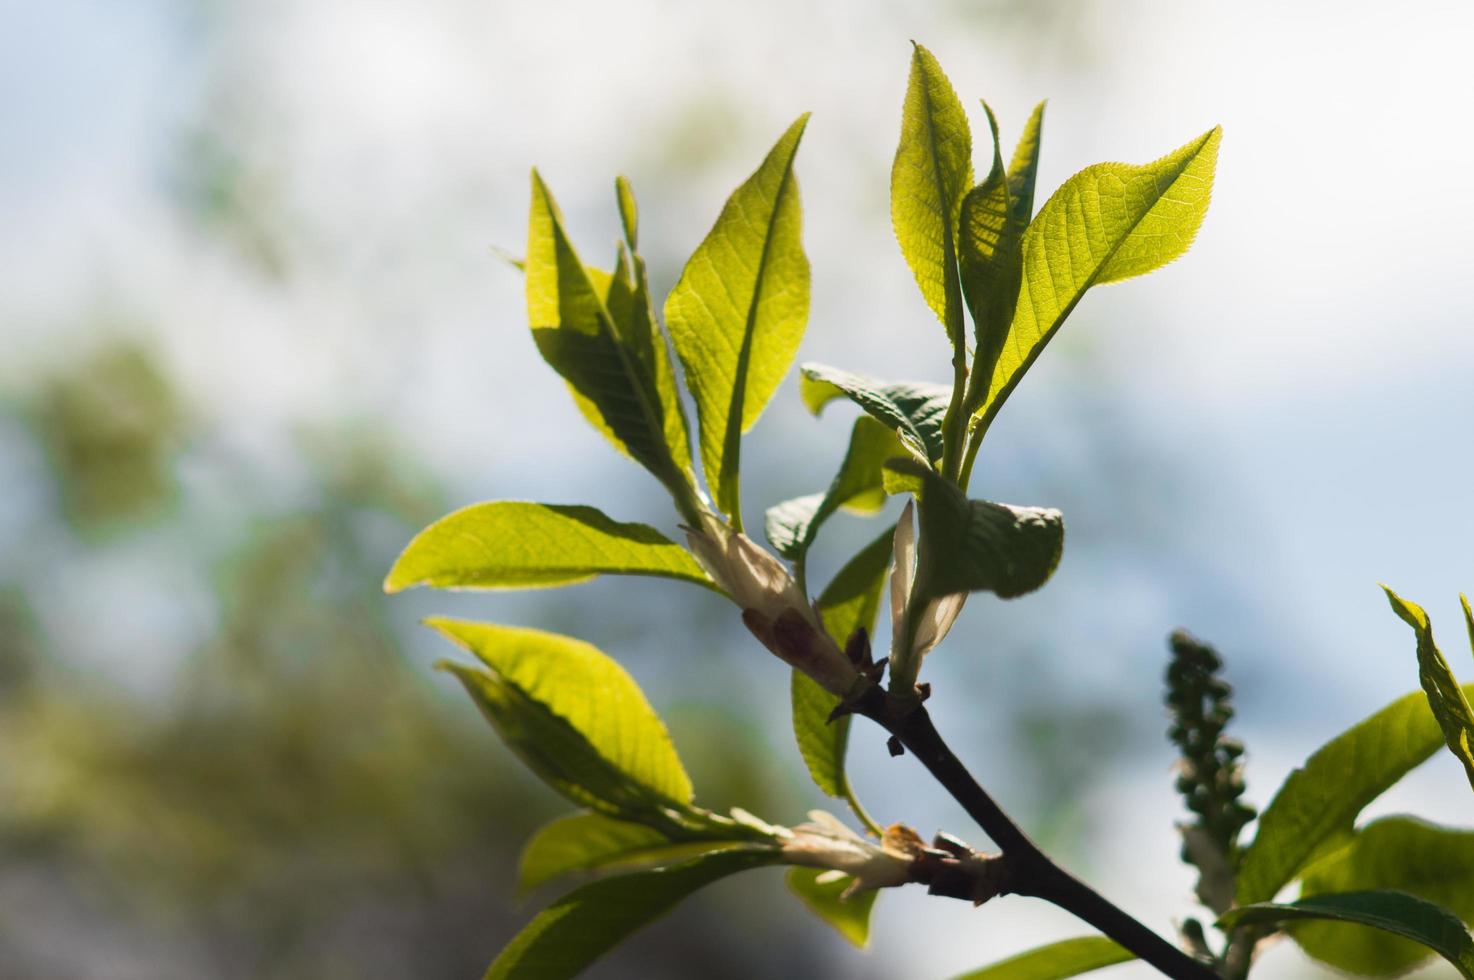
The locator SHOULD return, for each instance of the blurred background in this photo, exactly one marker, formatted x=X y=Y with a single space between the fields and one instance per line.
x=255 y=335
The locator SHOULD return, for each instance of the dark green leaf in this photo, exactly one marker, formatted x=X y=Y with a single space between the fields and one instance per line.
x=1023 y=169
x=1449 y=704
x=849 y=602
x=585 y=924
x=594 y=842
x=1396 y=912
x=518 y=545
x=821 y=892
x=931 y=173
x=1323 y=798
x=792 y=525
x=913 y=409
x=738 y=312
x=573 y=716
x=1398 y=853
x=1067 y=958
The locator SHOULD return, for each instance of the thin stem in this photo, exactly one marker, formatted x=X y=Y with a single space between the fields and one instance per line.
x=1032 y=872
x=859 y=811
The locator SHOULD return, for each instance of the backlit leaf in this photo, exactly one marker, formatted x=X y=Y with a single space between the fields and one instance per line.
x=518 y=545
x=820 y=892
x=912 y=409
x=1447 y=699
x=1395 y=912
x=585 y=924
x=739 y=310
x=992 y=265
x=1067 y=958
x=593 y=842
x=573 y=716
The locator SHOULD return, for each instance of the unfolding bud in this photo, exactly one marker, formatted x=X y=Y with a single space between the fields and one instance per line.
x=774 y=608
x=933 y=621
x=827 y=843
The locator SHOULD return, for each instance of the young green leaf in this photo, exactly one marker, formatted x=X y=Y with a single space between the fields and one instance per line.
x=1057 y=961
x=1107 y=223
x=1449 y=704
x=518 y=545
x=822 y=891
x=738 y=312
x=913 y=409
x=849 y=602
x=585 y=924
x=979 y=546
x=992 y=266
x=931 y=173
x=1395 y=912
x=792 y=525
x=629 y=213
x=594 y=842
x=1323 y=798
x=1399 y=853
x=615 y=387
x=573 y=716
x=1023 y=169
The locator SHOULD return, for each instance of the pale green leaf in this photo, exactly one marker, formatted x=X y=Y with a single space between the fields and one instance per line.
x=980 y=546
x=738 y=312
x=585 y=924
x=1109 y=222
x=1391 y=911
x=1398 y=853
x=1447 y=699
x=992 y=266
x=931 y=173
x=580 y=339
x=913 y=409
x=573 y=715
x=1323 y=798
x=821 y=892
x=517 y=545
x=792 y=525
x=629 y=213
x=593 y=842
x=849 y=602
x=1066 y=958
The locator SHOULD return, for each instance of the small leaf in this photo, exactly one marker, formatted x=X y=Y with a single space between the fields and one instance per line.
x=792 y=525
x=1449 y=704
x=1023 y=169
x=573 y=716
x=931 y=173
x=1323 y=798
x=517 y=545
x=1107 y=223
x=992 y=266
x=914 y=409
x=594 y=842
x=821 y=892
x=848 y=603
x=585 y=924
x=1067 y=958
x=612 y=384
x=629 y=213
x=1399 y=853
x=979 y=546
x=1396 y=912
x=739 y=310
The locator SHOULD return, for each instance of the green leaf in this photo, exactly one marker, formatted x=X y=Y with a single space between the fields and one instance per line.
x=605 y=360
x=931 y=173
x=1396 y=912
x=979 y=546
x=594 y=842
x=1107 y=223
x=583 y=925
x=1067 y=958
x=1398 y=853
x=792 y=525
x=518 y=545
x=1323 y=798
x=573 y=716
x=992 y=266
x=820 y=891
x=913 y=409
x=738 y=312
x=1449 y=704
x=629 y=213
x=849 y=602
x=1023 y=169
